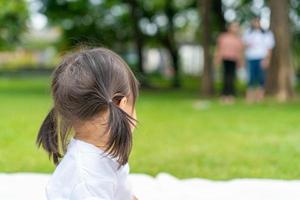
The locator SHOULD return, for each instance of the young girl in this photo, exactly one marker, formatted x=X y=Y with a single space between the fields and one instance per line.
x=229 y=52
x=88 y=132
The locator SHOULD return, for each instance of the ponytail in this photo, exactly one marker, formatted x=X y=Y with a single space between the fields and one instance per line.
x=120 y=139
x=48 y=137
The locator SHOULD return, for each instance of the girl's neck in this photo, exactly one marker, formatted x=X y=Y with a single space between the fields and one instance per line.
x=98 y=142
x=92 y=132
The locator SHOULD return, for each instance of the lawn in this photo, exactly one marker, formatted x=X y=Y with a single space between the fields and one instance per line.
x=209 y=140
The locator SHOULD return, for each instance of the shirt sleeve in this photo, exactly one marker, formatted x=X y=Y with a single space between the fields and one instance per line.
x=100 y=190
x=245 y=37
x=219 y=40
x=270 y=40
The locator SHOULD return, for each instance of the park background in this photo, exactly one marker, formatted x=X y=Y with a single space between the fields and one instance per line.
x=183 y=129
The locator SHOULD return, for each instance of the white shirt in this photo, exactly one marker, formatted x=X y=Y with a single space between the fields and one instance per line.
x=87 y=173
x=258 y=43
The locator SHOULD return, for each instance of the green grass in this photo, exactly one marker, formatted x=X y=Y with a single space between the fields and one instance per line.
x=213 y=141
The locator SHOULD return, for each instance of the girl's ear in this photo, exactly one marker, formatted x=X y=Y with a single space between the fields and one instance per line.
x=123 y=103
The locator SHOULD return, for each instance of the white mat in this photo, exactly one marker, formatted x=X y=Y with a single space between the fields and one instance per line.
x=28 y=186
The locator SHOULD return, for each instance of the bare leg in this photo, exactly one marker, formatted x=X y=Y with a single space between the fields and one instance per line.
x=260 y=94
x=224 y=99
x=231 y=99
x=227 y=100
x=250 y=96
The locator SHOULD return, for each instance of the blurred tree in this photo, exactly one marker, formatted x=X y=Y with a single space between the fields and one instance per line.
x=122 y=24
x=90 y=21
x=13 y=18
x=110 y=23
x=170 y=42
x=213 y=22
x=273 y=70
x=116 y=24
x=205 y=7
x=135 y=24
x=136 y=15
x=282 y=51
x=219 y=15
x=295 y=30
x=158 y=24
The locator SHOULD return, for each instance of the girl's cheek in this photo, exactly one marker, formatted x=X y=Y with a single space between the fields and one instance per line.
x=134 y=116
x=132 y=126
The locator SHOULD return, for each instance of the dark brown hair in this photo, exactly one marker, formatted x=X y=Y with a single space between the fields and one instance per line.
x=84 y=85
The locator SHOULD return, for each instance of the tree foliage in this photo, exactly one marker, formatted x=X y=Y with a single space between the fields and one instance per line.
x=13 y=18
x=90 y=21
x=135 y=24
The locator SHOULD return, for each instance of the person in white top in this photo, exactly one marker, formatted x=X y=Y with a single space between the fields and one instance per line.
x=88 y=132
x=259 y=44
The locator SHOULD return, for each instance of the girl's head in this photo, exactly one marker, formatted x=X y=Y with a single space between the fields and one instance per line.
x=233 y=27
x=86 y=85
x=255 y=23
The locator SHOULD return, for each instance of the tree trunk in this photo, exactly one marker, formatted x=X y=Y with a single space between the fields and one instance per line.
x=175 y=63
x=218 y=12
x=282 y=68
x=272 y=72
x=138 y=36
x=171 y=44
x=205 y=7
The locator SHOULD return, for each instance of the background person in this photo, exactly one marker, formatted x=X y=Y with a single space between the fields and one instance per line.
x=259 y=44
x=229 y=52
